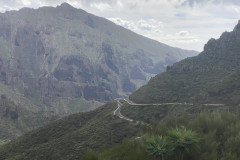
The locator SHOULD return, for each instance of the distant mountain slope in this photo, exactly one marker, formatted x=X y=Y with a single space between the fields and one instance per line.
x=211 y=77
x=71 y=137
x=16 y=119
x=52 y=53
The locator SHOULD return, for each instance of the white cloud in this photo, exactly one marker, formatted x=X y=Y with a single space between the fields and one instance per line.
x=183 y=33
x=124 y=23
x=75 y=3
x=143 y=27
x=119 y=3
x=142 y=24
x=26 y=2
x=236 y=9
x=101 y=6
x=154 y=29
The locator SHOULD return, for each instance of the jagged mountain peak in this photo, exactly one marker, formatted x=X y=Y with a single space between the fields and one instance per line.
x=237 y=27
x=227 y=39
x=209 y=44
x=66 y=6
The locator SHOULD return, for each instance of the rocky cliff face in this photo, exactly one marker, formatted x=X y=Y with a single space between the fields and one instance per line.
x=219 y=55
x=53 y=53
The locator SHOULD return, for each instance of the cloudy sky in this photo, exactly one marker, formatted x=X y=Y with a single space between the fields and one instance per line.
x=186 y=24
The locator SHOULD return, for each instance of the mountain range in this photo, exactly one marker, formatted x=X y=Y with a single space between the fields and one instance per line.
x=64 y=52
x=59 y=61
x=210 y=78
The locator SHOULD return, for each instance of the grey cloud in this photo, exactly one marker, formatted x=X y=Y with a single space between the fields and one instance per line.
x=203 y=2
x=8 y=3
x=133 y=5
x=98 y=1
x=82 y=1
x=17 y=4
x=89 y=2
x=56 y=2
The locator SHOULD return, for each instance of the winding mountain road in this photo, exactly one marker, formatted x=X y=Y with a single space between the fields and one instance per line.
x=161 y=104
x=117 y=112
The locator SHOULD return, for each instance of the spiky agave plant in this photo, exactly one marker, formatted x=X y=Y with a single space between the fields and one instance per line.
x=157 y=146
x=182 y=140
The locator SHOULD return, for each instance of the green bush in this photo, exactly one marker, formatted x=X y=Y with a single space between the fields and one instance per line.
x=157 y=146
x=218 y=137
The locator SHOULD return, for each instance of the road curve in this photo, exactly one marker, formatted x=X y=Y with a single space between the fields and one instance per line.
x=161 y=104
x=117 y=112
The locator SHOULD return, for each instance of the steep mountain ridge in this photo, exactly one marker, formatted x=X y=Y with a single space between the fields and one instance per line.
x=210 y=77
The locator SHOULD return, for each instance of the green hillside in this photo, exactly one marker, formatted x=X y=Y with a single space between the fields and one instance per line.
x=218 y=134
x=151 y=113
x=211 y=77
x=70 y=137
